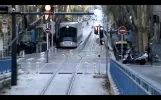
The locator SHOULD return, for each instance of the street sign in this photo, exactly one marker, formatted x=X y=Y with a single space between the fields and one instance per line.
x=47 y=30
x=4 y=26
x=122 y=30
x=4 y=21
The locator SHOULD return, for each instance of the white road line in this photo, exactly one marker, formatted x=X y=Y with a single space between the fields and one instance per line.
x=41 y=59
x=42 y=52
x=30 y=58
x=20 y=59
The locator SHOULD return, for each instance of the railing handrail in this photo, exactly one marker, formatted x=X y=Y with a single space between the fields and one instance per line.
x=152 y=83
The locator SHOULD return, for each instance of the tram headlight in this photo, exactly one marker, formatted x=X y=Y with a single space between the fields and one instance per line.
x=101 y=28
x=63 y=43
x=71 y=43
x=67 y=26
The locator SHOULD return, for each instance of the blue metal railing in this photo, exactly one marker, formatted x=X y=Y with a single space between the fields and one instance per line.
x=129 y=83
x=5 y=64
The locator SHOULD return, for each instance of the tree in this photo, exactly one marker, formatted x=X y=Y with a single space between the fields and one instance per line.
x=140 y=21
x=76 y=8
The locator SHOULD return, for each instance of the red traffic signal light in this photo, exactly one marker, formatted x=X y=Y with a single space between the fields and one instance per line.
x=96 y=30
x=47 y=8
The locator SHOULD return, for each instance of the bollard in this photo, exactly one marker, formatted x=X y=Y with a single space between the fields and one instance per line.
x=94 y=68
x=55 y=51
x=23 y=53
x=42 y=56
x=102 y=48
x=99 y=67
x=37 y=67
x=86 y=67
x=71 y=53
x=49 y=53
x=29 y=67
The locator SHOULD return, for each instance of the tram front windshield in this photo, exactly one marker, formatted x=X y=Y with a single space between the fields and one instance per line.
x=68 y=34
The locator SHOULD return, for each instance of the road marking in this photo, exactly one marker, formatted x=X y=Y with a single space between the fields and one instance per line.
x=41 y=59
x=20 y=59
x=30 y=58
x=42 y=52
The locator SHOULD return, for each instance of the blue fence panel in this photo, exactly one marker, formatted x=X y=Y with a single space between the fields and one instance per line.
x=5 y=64
x=128 y=83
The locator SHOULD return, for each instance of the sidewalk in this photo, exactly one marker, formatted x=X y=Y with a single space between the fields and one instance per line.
x=157 y=49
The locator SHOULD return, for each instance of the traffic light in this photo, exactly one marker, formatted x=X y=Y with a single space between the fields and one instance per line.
x=25 y=21
x=4 y=8
x=101 y=36
x=48 y=8
x=101 y=32
x=96 y=30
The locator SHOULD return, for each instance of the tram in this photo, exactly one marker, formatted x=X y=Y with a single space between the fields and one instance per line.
x=70 y=34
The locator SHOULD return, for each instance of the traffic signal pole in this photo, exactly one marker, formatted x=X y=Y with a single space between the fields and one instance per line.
x=49 y=13
x=14 y=54
x=47 y=41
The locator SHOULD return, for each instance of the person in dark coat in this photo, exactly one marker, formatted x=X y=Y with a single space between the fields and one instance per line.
x=148 y=49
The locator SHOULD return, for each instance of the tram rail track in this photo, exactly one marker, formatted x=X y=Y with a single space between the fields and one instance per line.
x=71 y=81
x=51 y=79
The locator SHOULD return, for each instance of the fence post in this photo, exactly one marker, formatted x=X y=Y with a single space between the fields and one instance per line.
x=99 y=69
x=55 y=51
x=29 y=66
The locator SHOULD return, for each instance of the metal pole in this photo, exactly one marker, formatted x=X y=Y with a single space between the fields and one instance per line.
x=121 y=48
x=99 y=61
x=52 y=40
x=14 y=56
x=4 y=44
x=47 y=40
x=152 y=30
x=3 y=47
